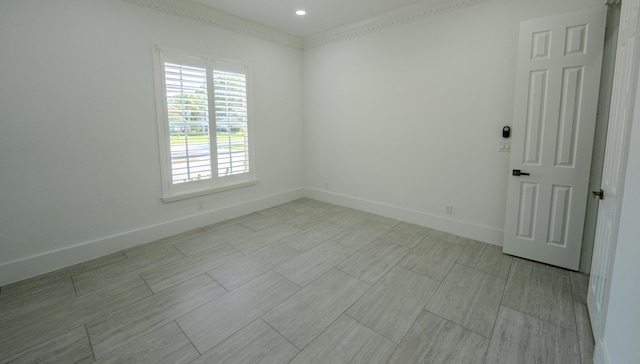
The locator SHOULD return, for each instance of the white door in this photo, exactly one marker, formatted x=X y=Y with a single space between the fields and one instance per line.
x=615 y=161
x=557 y=83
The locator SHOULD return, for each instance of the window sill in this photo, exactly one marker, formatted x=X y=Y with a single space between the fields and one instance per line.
x=208 y=191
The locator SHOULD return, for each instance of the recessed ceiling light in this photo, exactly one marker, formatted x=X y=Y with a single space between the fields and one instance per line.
x=301 y=12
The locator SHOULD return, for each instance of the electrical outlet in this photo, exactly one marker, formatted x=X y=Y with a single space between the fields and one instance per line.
x=449 y=209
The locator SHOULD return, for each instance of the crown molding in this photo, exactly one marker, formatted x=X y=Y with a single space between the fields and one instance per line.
x=400 y=16
x=194 y=11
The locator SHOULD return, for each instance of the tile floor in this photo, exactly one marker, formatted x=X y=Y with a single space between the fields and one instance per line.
x=304 y=282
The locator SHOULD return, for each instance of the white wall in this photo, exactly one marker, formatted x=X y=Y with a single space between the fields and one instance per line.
x=79 y=167
x=407 y=120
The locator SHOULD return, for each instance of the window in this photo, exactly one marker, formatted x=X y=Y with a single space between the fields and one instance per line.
x=204 y=126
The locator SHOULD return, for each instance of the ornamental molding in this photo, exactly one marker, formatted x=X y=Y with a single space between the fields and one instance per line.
x=197 y=12
x=194 y=11
x=393 y=18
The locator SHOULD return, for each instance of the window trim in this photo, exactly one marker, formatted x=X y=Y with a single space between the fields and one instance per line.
x=175 y=192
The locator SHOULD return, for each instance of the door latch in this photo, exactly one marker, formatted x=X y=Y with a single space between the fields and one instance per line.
x=598 y=194
x=517 y=172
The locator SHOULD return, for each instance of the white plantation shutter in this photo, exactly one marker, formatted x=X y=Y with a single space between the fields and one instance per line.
x=230 y=91
x=188 y=122
x=203 y=124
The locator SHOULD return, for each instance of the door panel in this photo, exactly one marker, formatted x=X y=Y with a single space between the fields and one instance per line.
x=560 y=202
x=569 y=122
x=615 y=161
x=535 y=116
x=557 y=82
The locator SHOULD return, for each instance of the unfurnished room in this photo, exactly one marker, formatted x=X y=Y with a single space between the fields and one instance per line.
x=338 y=181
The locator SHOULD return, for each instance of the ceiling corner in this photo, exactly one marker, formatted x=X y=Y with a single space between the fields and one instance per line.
x=200 y=13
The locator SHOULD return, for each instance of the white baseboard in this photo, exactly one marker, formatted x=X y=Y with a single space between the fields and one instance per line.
x=600 y=353
x=469 y=230
x=47 y=262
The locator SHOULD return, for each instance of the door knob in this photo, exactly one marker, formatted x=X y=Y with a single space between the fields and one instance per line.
x=517 y=172
x=598 y=194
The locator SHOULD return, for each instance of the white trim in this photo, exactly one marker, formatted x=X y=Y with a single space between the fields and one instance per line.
x=600 y=353
x=197 y=12
x=469 y=230
x=203 y=14
x=50 y=261
x=174 y=192
x=207 y=191
x=386 y=20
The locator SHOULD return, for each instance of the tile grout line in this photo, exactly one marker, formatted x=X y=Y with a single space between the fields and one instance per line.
x=86 y=330
x=73 y=283
x=188 y=338
x=438 y=285
x=282 y=336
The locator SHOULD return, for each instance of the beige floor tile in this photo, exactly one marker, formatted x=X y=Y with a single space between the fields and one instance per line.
x=585 y=334
x=69 y=347
x=256 y=343
x=579 y=286
x=257 y=221
x=239 y=271
x=435 y=340
x=486 y=257
x=280 y=212
x=262 y=239
x=310 y=265
x=306 y=207
x=93 y=280
x=167 y=275
x=347 y=341
x=24 y=302
x=391 y=306
x=43 y=279
x=42 y=319
x=520 y=338
x=167 y=344
x=406 y=234
x=211 y=238
x=151 y=249
x=307 y=313
x=215 y=321
x=309 y=221
x=432 y=258
x=452 y=238
x=382 y=220
x=21 y=334
x=361 y=235
x=129 y=323
x=541 y=291
x=350 y=217
x=469 y=298
x=313 y=237
x=373 y=261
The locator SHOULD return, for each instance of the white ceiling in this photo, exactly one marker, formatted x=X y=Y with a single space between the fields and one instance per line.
x=321 y=15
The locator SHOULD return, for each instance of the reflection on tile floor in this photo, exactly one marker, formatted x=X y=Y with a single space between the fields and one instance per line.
x=301 y=282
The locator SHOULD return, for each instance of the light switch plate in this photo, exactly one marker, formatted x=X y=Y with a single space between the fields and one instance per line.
x=504 y=146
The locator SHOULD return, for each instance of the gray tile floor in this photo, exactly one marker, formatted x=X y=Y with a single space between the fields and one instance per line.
x=304 y=282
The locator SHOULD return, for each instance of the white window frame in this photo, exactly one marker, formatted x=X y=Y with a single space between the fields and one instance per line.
x=179 y=191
